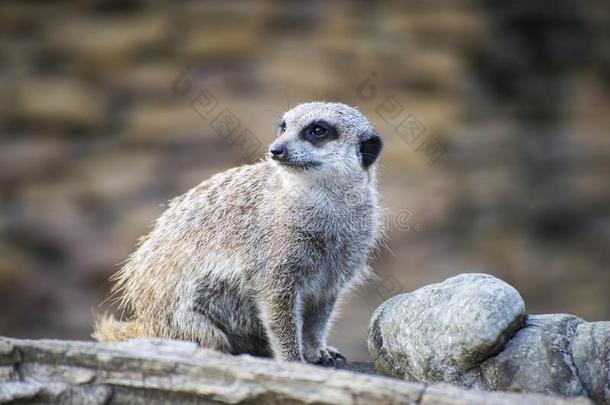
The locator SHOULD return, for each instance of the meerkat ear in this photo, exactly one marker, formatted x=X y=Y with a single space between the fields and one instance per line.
x=370 y=149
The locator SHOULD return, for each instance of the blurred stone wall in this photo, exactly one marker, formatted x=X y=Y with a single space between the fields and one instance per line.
x=495 y=117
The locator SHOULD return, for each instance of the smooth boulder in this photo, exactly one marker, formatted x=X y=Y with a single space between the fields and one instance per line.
x=442 y=332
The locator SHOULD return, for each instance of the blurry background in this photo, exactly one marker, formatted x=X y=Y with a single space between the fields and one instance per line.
x=496 y=118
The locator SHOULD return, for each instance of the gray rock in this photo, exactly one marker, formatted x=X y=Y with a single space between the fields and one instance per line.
x=537 y=359
x=446 y=394
x=442 y=332
x=168 y=372
x=591 y=354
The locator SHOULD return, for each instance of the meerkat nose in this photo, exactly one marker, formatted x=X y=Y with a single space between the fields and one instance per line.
x=277 y=151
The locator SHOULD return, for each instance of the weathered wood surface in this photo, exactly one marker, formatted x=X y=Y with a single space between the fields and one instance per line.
x=155 y=372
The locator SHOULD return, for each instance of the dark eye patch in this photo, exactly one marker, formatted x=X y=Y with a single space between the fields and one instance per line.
x=318 y=132
x=281 y=127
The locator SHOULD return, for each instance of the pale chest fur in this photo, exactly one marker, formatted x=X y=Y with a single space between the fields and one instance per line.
x=337 y=227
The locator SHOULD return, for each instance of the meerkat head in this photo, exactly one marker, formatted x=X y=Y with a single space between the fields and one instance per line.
x=325 y=138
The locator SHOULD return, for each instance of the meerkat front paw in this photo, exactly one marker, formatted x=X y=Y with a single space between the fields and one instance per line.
x=328 y=357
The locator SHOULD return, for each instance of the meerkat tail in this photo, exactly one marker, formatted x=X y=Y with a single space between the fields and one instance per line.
x=109 y=329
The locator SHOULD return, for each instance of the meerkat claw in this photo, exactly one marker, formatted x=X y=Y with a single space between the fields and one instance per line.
x=331 y=358
x=336 y=356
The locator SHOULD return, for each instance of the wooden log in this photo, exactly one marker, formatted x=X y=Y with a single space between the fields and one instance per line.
x=163 y=371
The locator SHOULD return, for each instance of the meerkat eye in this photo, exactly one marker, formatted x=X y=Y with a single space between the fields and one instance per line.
x=318 y=131
x=282 y=127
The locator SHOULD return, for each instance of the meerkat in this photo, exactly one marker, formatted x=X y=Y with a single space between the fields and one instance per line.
x=255 y=259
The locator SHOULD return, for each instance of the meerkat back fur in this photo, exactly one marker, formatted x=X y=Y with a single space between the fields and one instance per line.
x=254 y=259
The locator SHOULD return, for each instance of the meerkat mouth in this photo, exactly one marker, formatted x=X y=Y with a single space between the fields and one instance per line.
x=301 y=166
